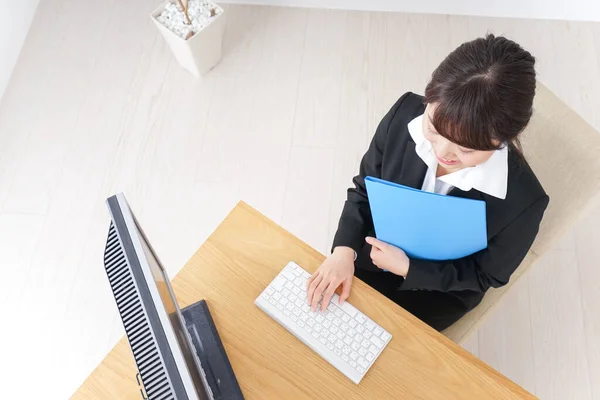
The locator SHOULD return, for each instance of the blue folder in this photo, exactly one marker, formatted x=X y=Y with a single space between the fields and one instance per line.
x=426 y=225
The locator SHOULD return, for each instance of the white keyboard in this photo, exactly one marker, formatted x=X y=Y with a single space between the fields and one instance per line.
x=342 y=335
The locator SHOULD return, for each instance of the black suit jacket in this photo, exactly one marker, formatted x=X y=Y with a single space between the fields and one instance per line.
x=512 y=224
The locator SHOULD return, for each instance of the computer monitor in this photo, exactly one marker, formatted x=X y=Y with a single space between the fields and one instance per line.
x=177 y=357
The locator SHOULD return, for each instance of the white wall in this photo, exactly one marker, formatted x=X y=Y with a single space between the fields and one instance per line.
x=15 y=19
x=579 y=10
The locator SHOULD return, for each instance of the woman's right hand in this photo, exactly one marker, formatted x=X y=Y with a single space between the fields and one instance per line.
x=336 y=270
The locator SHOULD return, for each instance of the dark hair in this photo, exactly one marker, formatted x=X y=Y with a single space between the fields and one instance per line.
x=484 y=92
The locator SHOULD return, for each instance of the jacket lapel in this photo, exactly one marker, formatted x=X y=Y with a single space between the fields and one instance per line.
x=413 y=169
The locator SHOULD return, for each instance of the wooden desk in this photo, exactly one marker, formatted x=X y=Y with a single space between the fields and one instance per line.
x=233 y=267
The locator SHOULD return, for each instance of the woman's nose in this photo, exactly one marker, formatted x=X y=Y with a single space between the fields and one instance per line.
x=444 y=149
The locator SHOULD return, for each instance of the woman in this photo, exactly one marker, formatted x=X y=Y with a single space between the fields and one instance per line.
x=460 y=139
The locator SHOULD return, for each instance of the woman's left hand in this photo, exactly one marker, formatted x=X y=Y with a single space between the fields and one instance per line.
x=388 y=257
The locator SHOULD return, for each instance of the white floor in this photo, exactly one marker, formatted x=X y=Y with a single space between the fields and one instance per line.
x=97 y=105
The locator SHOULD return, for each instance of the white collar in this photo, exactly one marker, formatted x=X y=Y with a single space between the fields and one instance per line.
x=491 y=177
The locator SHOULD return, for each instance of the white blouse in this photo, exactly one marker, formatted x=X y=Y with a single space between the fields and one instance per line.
x=491 y=177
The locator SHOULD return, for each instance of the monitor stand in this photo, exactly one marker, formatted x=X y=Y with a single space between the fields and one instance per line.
x=210 y=352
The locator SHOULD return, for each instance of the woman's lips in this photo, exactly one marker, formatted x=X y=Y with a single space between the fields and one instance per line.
x=447 y=162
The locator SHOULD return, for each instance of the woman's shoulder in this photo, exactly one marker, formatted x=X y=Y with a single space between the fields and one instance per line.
x=523 y=185
x=407 y=107
x=525 y=196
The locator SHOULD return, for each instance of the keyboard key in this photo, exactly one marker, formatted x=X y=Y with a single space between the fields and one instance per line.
x=354 y=355
x=286 y=292
x=358 y=338
x=376 y=341
x=295 y=290
x=305 y=307
x=296 y=312
x=369 y=325
x=355 y=346
x=299 y=303
x=340 y=334
x=351 y=332
x=360 y=328
x=360 y=369
x=365 y=343
x=352 y=323
x=290 y=306
x=337 y=352
x=339 y=344
x=344 y=327
x=345 y=357
x=289 y=285
x=266 y=296
x=320 y=318
x=385 y=336
x=330 y=316
x=327 y=323
x=318 y=327
x=294 y=318
x=325 y=333
x=353 y=364
x=363 y=363
x=367 y=334
x=284 y=301
x=311 y=322
x=278 y=283
x=345 y=318
x=307 y=328
x=298 y=282
x=348 y=340
x=337 y=321
x=277 y=295
x=288 y=273
x=330 y=346
x=338 y=313
x=286 y=312
x=333 y=329
x=370 y=357
x=332 y=339
x=373 y=349
x=360 y=318
x=349 y=309
x=304 y=317
x=323 y=340
x=300 y=323
x=270 y=290
x=315 y=334
x=272 y=301
x=377 y=331
x=346 y=350
x=362 y=351
x=297 y=272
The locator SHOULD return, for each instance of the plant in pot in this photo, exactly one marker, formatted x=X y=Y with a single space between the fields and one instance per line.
x=193 y=29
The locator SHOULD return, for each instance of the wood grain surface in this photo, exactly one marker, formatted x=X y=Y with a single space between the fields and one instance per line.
x=233 y=267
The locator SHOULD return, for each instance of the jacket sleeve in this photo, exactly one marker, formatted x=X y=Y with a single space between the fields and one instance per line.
x=356 y=220
x=491 y=267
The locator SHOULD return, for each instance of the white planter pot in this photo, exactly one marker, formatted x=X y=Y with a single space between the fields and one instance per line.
x=200 y=53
